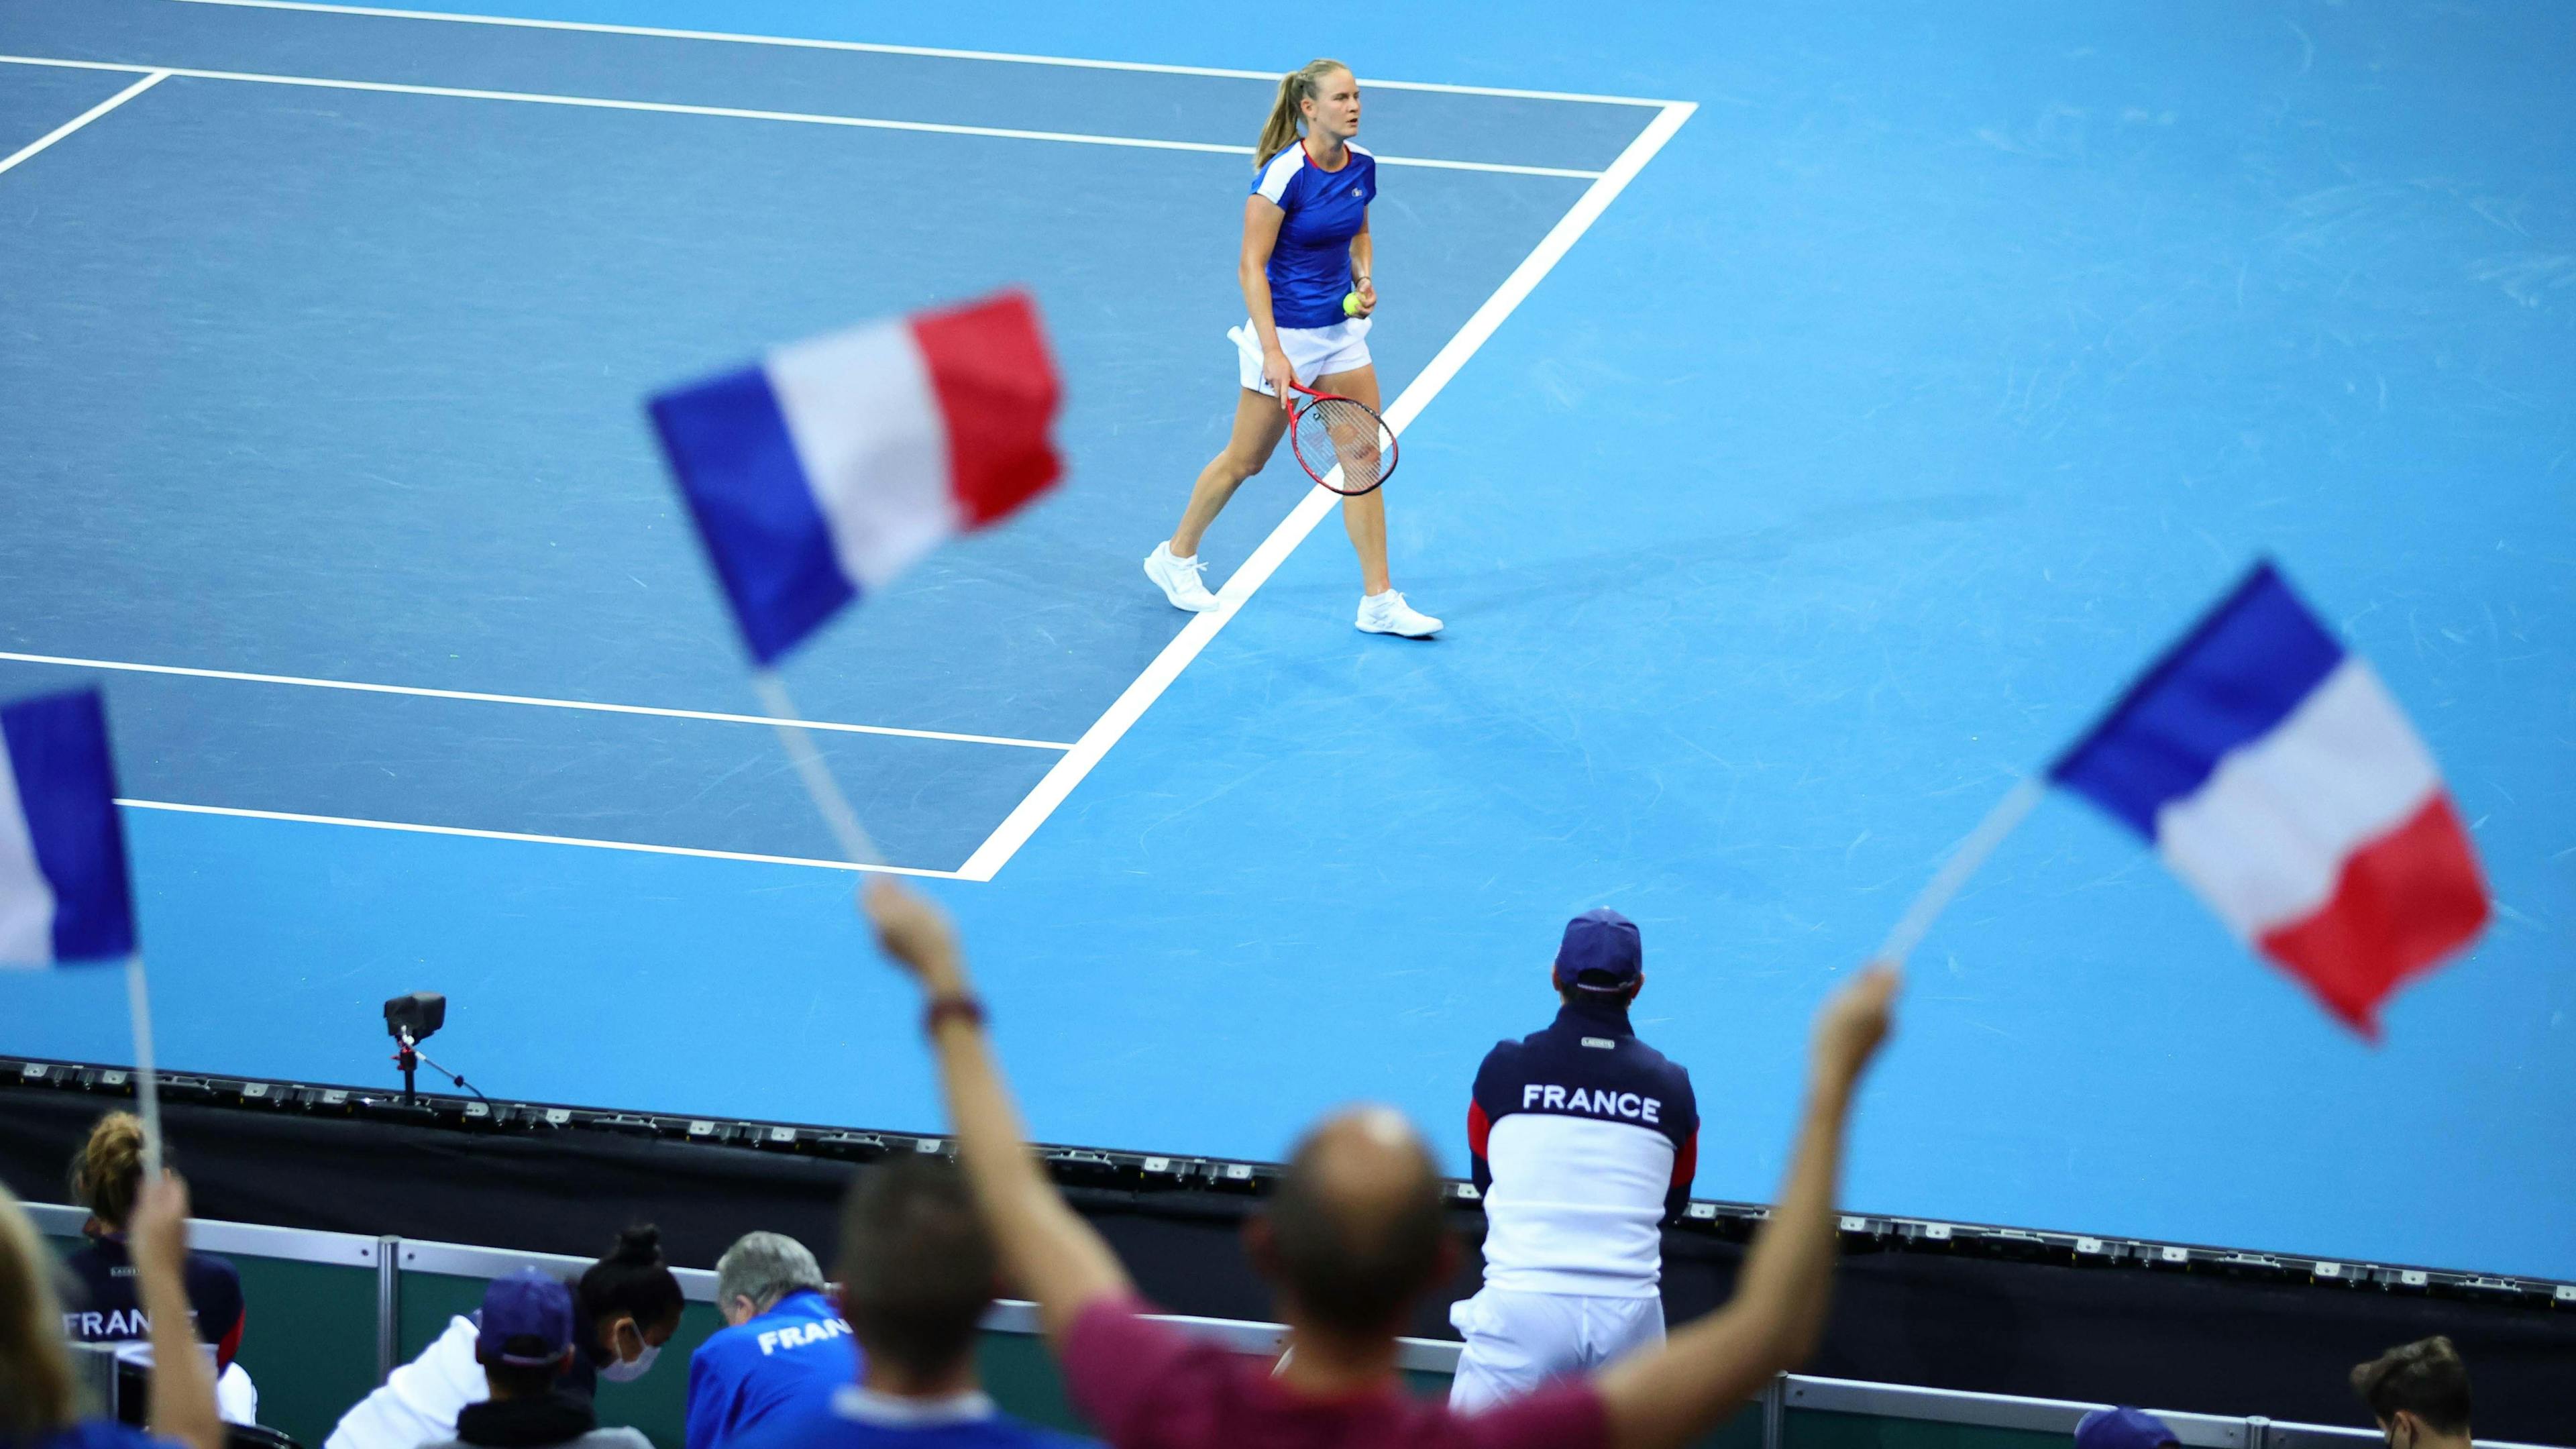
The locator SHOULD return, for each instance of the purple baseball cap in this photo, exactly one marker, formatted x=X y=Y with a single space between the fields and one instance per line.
x=2122 y=1428
x=1601 y=952
x=527 y=1308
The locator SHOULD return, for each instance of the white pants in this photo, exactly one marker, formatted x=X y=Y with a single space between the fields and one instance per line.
x=1312 y=351
x=1518 y=1341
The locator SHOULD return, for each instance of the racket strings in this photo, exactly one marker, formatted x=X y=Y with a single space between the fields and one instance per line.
x=1339 y=433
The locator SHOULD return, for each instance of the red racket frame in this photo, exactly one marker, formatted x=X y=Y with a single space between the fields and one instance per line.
x=1394 y=455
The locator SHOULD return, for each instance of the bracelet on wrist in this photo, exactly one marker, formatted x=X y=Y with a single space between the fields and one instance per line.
x=947 y=1008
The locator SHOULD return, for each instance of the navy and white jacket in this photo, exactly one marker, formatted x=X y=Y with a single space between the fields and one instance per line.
x=1584 y=1140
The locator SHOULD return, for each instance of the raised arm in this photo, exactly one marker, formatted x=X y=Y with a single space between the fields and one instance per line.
x=1050 y=1251
x=183 y=1381
x=1665 y=1399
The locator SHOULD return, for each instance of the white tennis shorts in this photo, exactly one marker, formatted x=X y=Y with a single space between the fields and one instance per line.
x=1312 y=351
x=1519 y=1341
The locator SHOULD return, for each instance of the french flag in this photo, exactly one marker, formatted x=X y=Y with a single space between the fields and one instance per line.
x=63 y=894
x=2275 y=775
x=835 y=463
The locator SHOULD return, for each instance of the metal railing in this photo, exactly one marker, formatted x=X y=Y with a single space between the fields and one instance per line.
x=1791 y=1393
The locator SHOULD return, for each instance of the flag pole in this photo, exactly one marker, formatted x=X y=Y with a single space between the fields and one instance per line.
x=147 y=1083
x=1969 y=854
x=826 y=791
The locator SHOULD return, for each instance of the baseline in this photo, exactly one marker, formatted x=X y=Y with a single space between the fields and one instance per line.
x=925 y=51
x=1318 y=502
x=741 y=113
x=478 y=697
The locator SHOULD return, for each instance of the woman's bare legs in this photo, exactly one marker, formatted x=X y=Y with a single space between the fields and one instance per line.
x=1259 y=424
x=1363 y=517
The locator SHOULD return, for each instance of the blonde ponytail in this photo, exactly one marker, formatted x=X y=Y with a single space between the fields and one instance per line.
x=108 y=1173
x=1299 y=85
x=37 y=1393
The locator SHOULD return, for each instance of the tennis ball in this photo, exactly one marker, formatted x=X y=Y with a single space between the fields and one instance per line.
x=1351 y=304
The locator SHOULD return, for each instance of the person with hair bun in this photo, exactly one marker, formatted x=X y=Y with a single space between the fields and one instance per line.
x=1306 y=270
x=625 y=1307
x=40 y=1400
x=107 y=1179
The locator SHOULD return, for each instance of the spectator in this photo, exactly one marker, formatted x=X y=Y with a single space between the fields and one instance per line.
x=784 y=1346
x=2123 y=1428
x=2419 y=1393
x=625 y=1308
x=627 y=1300
x=1583 y=1139
x=1352 y=1238
x=526 y=1347
x=106 y=1177
x=916 y=1273
x=39 y=1398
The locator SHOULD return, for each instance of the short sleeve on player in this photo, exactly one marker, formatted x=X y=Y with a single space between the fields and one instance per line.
x=1271 y=182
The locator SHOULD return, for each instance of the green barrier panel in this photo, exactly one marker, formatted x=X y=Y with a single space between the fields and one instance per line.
x=308 y=1339
x=310 y=1345
x=1826 y=1429
x=1744 y=1431
x=1023 y=1381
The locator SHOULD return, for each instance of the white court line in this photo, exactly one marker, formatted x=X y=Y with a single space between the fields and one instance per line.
x=1041 y=802
x=1079 y=759
x=932 y=52
x=626 y=845
x=808 y=118
x=482 y=698
x=153 y=77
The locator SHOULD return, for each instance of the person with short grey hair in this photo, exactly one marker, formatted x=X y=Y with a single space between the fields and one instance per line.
x=784 y=1346
x=759 y=1270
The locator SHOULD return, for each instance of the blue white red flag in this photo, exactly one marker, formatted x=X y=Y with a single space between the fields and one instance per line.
x=825 y=470
x=63 y=895
x=2272 y=771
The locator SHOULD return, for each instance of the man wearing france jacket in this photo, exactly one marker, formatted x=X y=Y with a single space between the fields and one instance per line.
x=1584 y=1140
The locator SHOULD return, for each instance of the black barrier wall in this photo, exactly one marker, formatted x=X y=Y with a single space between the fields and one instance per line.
x=2197 y=1340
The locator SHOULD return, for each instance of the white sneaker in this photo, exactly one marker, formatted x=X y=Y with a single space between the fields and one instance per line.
x=1388 y=613
x=1178 y=578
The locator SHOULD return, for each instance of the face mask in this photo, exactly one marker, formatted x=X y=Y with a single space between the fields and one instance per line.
x=627 y=1371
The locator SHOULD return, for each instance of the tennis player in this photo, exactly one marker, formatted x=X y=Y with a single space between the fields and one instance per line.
x=1306 y=253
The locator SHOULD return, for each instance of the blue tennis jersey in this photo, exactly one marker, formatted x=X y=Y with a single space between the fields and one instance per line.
x=787 y=1360
x=857 y=1419
x=1310 y=267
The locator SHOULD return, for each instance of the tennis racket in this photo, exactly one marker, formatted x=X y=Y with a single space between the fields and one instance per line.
x=1341 y=442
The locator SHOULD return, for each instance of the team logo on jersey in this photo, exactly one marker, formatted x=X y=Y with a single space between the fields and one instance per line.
x=1597 y=1101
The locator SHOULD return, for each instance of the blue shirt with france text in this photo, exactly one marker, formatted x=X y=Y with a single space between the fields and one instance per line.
x=786 y=1361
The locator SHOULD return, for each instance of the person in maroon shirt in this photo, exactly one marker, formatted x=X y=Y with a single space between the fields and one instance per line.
x=1350 y=1239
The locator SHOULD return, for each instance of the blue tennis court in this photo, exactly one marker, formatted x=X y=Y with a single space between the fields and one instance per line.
x=1809 y=420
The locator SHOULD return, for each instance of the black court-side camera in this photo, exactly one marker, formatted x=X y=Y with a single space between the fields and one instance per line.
x=417 y=1015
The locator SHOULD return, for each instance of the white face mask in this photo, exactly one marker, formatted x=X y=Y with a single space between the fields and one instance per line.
x=627 y=1371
